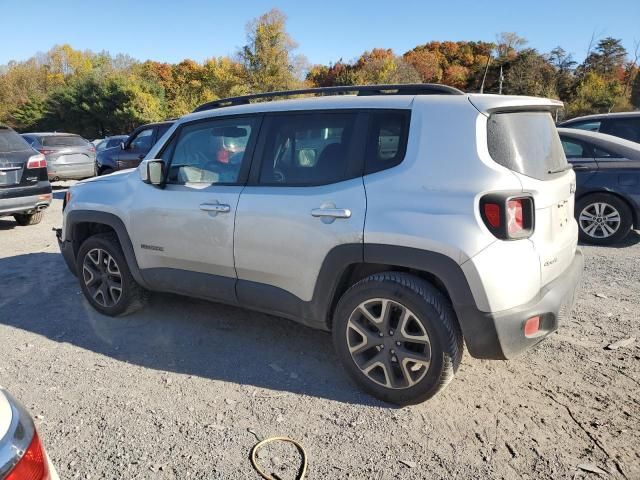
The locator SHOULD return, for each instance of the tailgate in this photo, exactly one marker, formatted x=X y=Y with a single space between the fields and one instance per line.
x=556 y=232
x=527 y=143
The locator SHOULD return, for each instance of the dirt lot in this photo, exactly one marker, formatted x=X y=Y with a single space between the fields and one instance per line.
x=184 y=388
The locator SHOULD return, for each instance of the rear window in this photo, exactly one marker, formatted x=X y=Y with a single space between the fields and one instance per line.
x=63 y=141
x=527 y=143
x=10 y=141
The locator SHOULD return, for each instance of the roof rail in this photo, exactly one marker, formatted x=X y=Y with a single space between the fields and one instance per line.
x=360 y=90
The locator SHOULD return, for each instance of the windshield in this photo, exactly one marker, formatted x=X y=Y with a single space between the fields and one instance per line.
x=63 y=141
x=527 y=143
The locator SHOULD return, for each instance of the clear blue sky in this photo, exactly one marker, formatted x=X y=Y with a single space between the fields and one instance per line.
x=325 y=30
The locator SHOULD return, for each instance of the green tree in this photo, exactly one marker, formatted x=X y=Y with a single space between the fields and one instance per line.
x=608 y=58
x=268 y=55
x=635 y=92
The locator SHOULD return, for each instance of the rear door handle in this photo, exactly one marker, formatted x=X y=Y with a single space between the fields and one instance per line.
x=215 y=207
x=331 y=212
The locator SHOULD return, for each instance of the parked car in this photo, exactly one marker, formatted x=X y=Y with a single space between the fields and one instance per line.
x=132 y=150
x=22 y=455
x=25 y=191
x=624 y=124
x=69 y=156
x=110 y=142
x=608 y=184
x=406 y=220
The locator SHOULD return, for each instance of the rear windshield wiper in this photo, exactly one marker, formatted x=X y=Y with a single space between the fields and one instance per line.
x=564 y=169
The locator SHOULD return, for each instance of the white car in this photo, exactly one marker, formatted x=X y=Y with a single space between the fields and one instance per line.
x=22 y=455
x=405 y=219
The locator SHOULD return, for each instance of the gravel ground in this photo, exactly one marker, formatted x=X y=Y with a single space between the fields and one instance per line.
x=184 y=388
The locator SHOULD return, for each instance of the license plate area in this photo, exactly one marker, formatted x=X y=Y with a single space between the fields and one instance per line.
x=10 y=176
x=561 y=214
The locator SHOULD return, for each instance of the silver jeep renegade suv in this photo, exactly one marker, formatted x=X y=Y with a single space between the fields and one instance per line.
x=406 y=220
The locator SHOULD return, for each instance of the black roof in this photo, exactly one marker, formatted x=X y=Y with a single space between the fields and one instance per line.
x=360 y=90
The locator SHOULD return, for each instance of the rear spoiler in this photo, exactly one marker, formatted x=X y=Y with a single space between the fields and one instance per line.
x=488 y=104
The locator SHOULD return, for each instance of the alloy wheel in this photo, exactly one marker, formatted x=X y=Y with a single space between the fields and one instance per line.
x=102 y=277
x=599 y=220
x=388 y=343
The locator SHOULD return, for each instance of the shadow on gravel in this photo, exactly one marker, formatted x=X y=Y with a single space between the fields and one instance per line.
x=177 y=334
x=7 y=223
x=632 y=239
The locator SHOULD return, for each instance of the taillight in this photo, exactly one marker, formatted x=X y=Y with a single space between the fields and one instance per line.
x=32 y=465
x=515 y=221
x=492 y=214
x=508 y=217
x=37 y=161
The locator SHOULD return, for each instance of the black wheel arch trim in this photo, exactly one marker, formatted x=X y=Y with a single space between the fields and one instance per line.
x=76 y=217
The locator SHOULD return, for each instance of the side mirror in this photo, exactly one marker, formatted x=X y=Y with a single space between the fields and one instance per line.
x=123 y=146
x=155 y=172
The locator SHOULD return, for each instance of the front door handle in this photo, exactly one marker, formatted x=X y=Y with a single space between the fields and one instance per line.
x=215 y=207
x=331 y=212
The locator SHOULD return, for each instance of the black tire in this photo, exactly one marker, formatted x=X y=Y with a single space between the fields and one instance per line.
x=106 y=171
x=587 y=206
x=433 y=312
x=25 y=219
x=132 y=296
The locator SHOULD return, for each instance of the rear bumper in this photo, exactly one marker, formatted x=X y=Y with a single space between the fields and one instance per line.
x=9 y=206
x=501 y=335
x=71 y=171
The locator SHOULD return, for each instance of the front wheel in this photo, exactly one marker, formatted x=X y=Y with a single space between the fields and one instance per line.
x=397 y=337
x=603 y=219
x=105 y=278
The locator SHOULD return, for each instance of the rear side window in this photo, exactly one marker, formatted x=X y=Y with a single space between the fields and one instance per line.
x=10 y=141
x=573 y=149
x=308 y=149
x=627 y=128
x=63 y=141
x=387 y=142
x=527 y=143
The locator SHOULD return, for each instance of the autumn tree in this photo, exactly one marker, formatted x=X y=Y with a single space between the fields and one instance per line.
x=268 y=57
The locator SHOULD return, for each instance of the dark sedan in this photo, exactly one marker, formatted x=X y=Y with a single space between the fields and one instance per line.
x=608 y=184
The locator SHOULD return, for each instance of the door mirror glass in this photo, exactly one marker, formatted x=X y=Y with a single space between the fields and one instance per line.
x=123 y=146
x=155 y=172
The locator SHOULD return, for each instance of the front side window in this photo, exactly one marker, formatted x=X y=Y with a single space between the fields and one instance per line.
x=527 y=143
x=209 y=152
x=307 y=149
x=143 y=141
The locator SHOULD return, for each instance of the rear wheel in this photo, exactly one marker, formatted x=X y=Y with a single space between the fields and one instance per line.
x=397 y=337
x=105 y=278
x=603 y=219
x=25 y=219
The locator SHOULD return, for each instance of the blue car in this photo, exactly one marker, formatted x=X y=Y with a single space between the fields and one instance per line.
x=608 y=184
